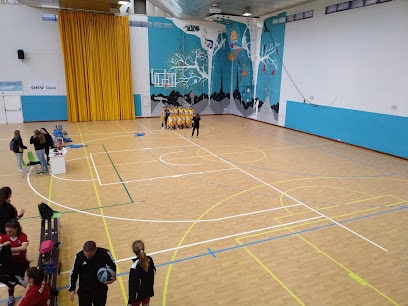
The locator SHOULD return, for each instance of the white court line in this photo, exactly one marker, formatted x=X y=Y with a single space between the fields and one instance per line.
x=217 y=239
x=96 y=171
x=287 y=195
x=174 y=152
x=144 y=149
x=151 y=220
x=166 y=176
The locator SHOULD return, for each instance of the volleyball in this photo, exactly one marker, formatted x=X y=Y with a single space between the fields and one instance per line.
x=105 y=274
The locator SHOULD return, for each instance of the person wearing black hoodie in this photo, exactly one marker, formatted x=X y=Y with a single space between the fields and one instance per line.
x=48 y=142
x=7 y=211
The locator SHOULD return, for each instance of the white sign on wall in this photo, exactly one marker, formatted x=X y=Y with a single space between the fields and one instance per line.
x=41 y=88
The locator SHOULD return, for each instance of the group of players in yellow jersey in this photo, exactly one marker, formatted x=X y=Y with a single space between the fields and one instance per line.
x=174 y=117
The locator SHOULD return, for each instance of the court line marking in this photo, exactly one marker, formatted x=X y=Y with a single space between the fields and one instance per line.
x=167 y=176
x=96 y=171
x=171 y=164
x=143 y=149
x=289 y=196
x=105 y=224
x=350 y=273
x=147 y=220
x=264 y=240
x=219 y=238
x=276 y=278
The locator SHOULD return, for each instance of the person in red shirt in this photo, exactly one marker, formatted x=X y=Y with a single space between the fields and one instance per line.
x=38 y=292
x=17 y=241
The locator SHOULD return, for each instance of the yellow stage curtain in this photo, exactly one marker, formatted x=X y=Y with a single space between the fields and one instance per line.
x=96 y=49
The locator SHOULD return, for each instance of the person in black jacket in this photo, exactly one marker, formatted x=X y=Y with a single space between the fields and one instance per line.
x=7 y=211
x=48 y=142
x=18 y=150
x=39 y=142
x=86 y=265
x=141 y=277
x=196 y=124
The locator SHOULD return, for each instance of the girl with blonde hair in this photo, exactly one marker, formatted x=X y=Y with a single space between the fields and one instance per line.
x=18 y=150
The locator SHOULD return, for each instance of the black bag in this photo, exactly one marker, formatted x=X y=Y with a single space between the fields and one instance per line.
x=54 y=291
x=5 y=260
x=46 y=212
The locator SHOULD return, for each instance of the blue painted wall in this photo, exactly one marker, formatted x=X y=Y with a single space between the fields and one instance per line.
x=44 y=108
x=54 y=108
x=137 y=100
x=379 y=132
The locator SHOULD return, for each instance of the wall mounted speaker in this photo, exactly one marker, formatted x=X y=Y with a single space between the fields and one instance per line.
x=140 y=7
x=20 y=54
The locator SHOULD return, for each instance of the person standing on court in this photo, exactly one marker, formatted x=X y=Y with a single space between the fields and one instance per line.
x=48 y=142
x=86 y=265
x=141 y=276
x=196 y=124
x=18 y=149
x=7 y=211
x=39 y=142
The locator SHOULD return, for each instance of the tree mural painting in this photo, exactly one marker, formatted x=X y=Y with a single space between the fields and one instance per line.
x=190 y=68
x=197 y=65
x=265 y=56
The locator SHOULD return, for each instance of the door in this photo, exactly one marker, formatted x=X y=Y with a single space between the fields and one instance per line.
x=10 y=107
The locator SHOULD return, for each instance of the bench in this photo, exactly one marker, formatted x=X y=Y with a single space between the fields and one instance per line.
x=50 y=261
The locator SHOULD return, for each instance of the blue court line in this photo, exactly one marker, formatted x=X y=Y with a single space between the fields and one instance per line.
x=213 y=253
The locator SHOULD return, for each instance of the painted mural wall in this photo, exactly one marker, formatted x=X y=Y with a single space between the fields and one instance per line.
x=332 y=64
x=227 y=66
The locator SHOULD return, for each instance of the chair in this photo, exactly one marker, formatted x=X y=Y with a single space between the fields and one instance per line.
x=32 y=161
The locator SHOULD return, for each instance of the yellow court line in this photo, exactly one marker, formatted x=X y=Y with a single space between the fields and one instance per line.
x=50 y=188
x=272 y=274
x=167 y=279
x=103 y=218
x=335 y=187
x=351 y=274
x=235 y=152
x=344 y=215
x=278 y=219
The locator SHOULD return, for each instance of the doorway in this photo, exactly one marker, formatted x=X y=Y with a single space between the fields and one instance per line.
x=10 y=107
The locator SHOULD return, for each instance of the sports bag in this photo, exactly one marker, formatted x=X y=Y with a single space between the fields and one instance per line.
x=13 y=145
x=46 y=246
x=46 y=212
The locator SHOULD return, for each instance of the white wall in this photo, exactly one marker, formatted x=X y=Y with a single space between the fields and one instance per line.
x=139 y=46
x=354 y=59
x=40 y=42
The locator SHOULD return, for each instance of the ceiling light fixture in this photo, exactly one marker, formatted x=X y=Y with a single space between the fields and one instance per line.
x=247 y=13
x=215 y=9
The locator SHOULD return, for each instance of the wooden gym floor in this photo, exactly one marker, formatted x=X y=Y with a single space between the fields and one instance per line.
x=246 y=214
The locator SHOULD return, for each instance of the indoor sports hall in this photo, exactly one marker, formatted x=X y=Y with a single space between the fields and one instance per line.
x=247 y=213
x=258 y=148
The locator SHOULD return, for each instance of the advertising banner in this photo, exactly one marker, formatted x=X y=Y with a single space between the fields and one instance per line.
x=41 y=88
x=11 y=86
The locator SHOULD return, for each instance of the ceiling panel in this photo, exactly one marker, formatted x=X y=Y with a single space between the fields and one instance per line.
x=200 y=9
x=182 y=9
